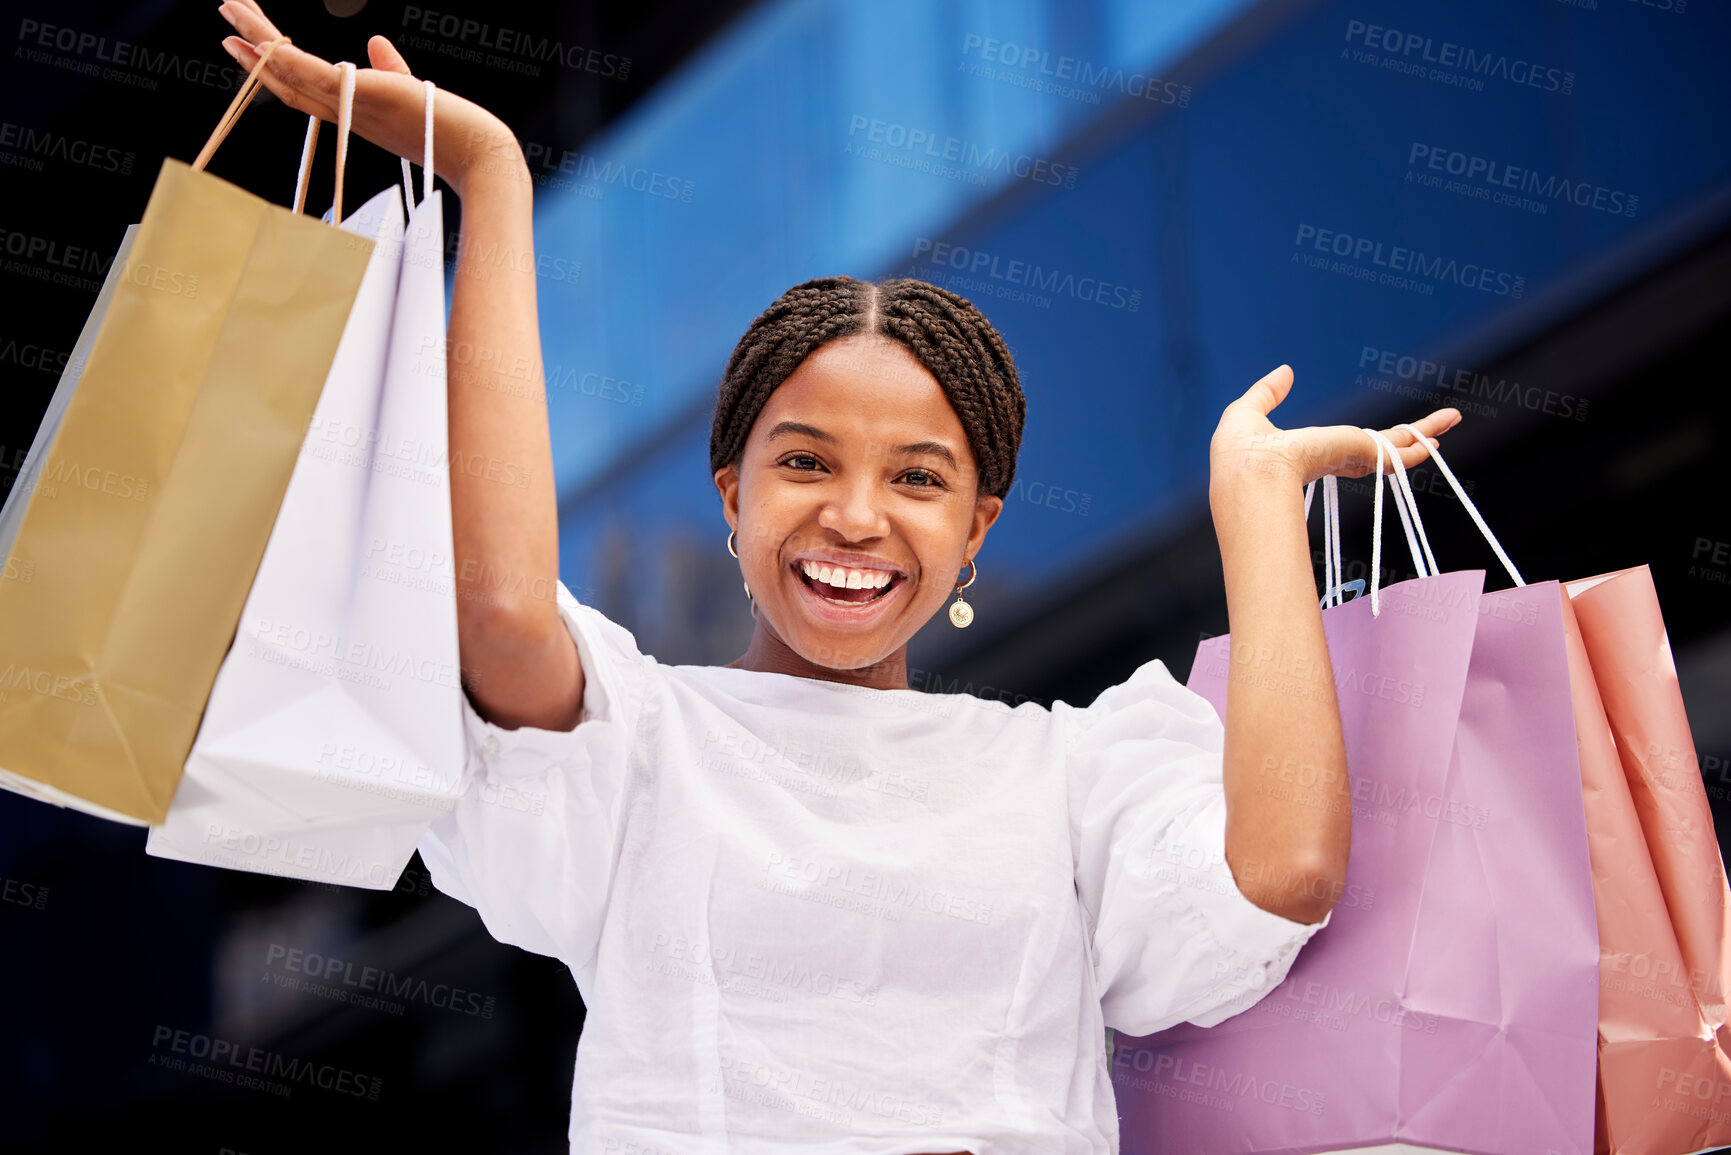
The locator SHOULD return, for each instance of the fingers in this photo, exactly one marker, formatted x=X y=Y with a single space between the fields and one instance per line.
x=385 y=57
x=1270 y=391
x=301 y=80
x=258 y=11
x=248 y=20
x=1347 y=451
x=1432 y=425
x=245 y=55
x=253 y=4
x=1410 y=455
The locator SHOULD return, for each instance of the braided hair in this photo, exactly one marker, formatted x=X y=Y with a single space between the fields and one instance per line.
x=948 y=335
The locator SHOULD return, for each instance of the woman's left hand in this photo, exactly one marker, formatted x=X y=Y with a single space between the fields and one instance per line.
x=1247 y=445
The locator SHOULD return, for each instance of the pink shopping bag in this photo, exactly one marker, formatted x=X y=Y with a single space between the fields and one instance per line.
x=1451 y=1004
x=1664 y=906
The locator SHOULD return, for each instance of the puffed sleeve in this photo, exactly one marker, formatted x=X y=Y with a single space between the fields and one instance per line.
x=530 y=843
x=1173 y=938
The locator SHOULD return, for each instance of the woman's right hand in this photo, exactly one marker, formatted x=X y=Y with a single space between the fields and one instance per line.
x=520 y=665
x=389 y=103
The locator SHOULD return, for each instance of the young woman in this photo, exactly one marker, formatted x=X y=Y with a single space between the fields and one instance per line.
x=808 y=908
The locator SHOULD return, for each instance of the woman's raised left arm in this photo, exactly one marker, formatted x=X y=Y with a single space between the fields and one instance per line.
x=1288 y=797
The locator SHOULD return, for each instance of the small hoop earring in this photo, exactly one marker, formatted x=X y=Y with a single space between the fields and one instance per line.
x=961 y=613
x=730 y=549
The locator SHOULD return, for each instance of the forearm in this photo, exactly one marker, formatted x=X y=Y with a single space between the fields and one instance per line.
x=504 y=510
x=1288 y=801
x=519 y=663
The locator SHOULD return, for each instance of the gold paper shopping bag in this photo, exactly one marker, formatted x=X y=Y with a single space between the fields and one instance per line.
x=149 y=514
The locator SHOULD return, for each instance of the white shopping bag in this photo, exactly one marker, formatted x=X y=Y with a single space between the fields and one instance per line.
x=333 y=735
x=24 y=484
x=30 y=473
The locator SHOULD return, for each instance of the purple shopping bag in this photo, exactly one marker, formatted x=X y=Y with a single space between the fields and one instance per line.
x=1451 y=1004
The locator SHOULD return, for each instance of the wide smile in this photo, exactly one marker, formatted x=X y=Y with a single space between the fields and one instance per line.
x=862 y=595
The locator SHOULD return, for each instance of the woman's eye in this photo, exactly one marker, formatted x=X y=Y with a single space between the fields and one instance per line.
x=808 y=463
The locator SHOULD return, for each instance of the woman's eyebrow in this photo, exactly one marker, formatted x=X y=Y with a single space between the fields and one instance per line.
x=801 y=429
x=935 y=448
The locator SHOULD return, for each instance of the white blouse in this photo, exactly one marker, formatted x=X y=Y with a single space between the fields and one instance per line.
x=813 y=918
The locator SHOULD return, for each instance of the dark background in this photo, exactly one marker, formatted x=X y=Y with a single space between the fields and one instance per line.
x=124 y=943
x=108 y=946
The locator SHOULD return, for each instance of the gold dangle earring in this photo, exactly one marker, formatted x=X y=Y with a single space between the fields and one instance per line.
x=735 y=553
x=961 y=613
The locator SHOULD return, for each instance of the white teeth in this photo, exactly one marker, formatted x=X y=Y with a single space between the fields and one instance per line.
x=843 y=578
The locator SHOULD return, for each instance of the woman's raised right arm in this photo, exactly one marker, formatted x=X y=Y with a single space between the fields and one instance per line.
x=519 y=661
x=517 y=654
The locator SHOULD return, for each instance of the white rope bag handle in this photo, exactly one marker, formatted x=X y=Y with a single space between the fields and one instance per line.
x=426 y=159
x=1333 y=570
x=344 y=109
x=345 y=106
x=1404 y=503
x=1334 y=583
x=1471 y=509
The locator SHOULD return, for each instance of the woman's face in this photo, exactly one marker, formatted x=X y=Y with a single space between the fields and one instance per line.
x=856 y=472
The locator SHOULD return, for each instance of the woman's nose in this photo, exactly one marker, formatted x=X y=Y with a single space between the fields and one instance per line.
x=855 y=512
